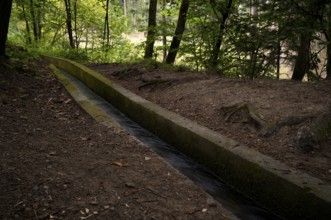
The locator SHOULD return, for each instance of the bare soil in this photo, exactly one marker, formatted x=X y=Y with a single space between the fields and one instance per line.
x=270 y=116
x=56 y=162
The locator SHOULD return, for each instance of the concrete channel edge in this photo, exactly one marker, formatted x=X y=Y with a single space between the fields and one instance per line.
x=276 y=186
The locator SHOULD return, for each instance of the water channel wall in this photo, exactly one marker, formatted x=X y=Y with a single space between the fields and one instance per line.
x=274 y=185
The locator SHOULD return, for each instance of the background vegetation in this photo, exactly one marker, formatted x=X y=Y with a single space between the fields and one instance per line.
x=246 y=39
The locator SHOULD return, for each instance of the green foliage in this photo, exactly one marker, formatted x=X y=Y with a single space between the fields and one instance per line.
x=72 y=54
x=259 y=37
x=21 y=60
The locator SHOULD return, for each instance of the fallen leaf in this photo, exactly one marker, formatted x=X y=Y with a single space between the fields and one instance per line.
x=52 y=153
x=87 y=210
x=94 y=201
x=67 y=101
x=119 y=164
x=84 y=138
x=86 y=217
x=204 y=210
x=147 y=158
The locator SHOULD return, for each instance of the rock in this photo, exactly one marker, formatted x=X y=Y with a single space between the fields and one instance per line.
x=306 y=139
x=211 y=202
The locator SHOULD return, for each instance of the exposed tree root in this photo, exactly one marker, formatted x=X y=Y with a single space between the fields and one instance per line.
x=128 y=72
x=270 y=129
x=313 y=130
x=155 y=83
x=242 y=113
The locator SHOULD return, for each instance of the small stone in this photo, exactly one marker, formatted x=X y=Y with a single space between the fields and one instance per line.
x=129 y=185
x=211 y=202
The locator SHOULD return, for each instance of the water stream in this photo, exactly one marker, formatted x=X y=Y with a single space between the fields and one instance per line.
x=238 y=204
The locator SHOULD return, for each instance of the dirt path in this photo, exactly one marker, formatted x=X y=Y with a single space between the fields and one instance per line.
x=267 y=115
x=57 y=163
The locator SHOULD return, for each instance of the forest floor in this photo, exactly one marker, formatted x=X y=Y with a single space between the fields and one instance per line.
x=276 y=118
x=56 y=162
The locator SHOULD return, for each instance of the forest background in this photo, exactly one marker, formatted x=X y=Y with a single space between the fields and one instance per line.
x=243 y=39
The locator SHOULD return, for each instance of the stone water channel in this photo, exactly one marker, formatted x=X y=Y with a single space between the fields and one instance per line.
x=238 y=204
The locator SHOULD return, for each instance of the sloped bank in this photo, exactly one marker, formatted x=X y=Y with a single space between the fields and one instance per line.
x=271 y=183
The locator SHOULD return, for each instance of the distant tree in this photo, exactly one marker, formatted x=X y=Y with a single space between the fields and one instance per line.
x=36 y=12
x=222 y=14
x=27 y=25
x=311 y=13
x=106 y=30
x=69 y=23
x=180 y=28
x=151 y=29
x=5 y=11
x=302 y=60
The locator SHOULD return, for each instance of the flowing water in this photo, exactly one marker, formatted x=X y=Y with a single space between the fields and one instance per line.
x=238 y=204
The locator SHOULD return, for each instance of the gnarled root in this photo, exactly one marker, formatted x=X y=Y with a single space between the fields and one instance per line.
x=242 y=112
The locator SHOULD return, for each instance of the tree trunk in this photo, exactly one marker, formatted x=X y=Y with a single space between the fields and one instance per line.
x=34 y=21
x=302 y=60
x=29 y=41
x=164 y=34
x=69 y=26
x=124 y=8
x=218 y=43
x=106 y=28
x=5 y=10
x=328 y=49
x=180 y=28
x=75 y=24
x=151 y=29
x=279 y=51
x=328 y=65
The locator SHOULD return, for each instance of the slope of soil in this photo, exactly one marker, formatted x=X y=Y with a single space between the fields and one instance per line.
x=56 y=162
x=267 y=115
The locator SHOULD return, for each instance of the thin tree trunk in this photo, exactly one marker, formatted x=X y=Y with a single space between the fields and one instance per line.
x=106 y=28
x=302 y=60
x=29 y=41
x=39 y=26
x=86 y=40
x=218 y=43
x=164 y=34
x=253 y=63
x=75 y=24
x=151 y=29
x=124 y=8
x=279 y=51
x=5 y=10
x=328 y=65
x=69 y=26
x=180 y=28
x=328 y=50
x=34 y=21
